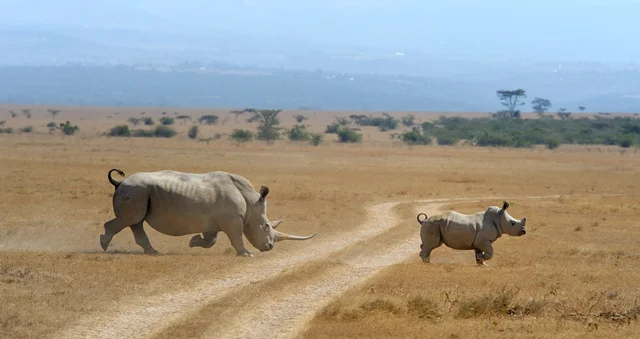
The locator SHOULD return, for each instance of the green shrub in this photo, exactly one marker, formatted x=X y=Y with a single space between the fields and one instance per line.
x=166 y=121
x=68 y=128
x=493 y=140
x=316 y=139
x=446 y=139
x=120 y=131
x=193 y=132
x=552 y=143
x=209 y=119
x=26 y=129
x=332 y=128
x=348 y=135
x=414 y=137
x=384 y=123
x=626 y=141
x=164 y=132
x=241 y=135
x=148 y=121
x=8 y=130
x=299 y=133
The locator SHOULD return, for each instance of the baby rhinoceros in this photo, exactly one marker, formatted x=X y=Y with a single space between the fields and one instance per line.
x=475 y=231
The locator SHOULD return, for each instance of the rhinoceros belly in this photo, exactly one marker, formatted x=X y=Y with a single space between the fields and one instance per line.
x=458 y=236
x=180 y=208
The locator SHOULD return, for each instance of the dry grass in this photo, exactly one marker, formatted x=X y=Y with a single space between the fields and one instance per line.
x=556 y=281
x=579 y=282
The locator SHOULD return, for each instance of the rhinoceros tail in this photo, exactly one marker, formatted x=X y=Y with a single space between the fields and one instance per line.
x=418 y=218
x=113 y=182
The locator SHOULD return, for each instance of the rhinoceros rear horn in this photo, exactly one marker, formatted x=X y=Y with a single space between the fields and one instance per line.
x=283 y=236
x=264 y=190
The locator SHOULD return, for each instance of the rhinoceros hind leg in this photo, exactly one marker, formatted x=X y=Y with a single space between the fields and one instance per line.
x=431 y=239
x=207 y=241
x=111 y=228
x=142 y=239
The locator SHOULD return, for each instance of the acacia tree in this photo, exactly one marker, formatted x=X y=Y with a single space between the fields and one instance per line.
x=53 y=112
x=563 y=114
x=238 y=113
x=300 y=118
x=581 y=108
x=511 y=100
x=268 y=119
x=540 y=105
x=184 y=118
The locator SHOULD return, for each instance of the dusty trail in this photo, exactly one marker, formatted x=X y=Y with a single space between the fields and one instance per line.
x=286 y=315
x=141 y=317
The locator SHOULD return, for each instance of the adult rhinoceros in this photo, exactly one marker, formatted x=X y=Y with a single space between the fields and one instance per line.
x=176 y=203
x=475 y=231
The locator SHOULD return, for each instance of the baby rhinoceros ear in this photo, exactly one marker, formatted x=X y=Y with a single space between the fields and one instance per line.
x=264 y=190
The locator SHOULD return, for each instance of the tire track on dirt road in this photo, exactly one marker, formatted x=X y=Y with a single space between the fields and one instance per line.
x=141 y=317
x=286 y=314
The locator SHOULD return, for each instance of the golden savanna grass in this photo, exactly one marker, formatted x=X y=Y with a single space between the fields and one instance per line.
x=572 y=275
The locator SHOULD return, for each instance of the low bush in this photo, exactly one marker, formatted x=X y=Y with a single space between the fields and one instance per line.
x=299 y=133
x=193 y=132
x=167 y=120
x=241 y=135
x=120 y=131
x=348 y=135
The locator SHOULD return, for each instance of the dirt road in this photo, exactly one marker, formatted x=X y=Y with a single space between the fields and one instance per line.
x=282 y=314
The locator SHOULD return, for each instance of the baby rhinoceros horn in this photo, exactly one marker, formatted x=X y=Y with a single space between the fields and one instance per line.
x=283 y=236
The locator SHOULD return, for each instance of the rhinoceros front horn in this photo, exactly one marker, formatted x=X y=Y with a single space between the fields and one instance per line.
x=283 y=236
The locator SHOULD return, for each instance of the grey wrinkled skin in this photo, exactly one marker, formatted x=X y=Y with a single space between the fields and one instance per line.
x=475 y=231
x=176 y=204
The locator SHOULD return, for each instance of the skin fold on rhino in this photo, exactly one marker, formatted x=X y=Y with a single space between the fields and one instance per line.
x=475 y=231
x=177 y=203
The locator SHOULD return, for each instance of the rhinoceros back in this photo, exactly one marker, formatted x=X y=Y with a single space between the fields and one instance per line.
x=187 y=203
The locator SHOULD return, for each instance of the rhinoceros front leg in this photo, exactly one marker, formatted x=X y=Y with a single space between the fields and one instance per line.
x=142 y=239
x=483 y=252
x=207 y=241
x=235 y=237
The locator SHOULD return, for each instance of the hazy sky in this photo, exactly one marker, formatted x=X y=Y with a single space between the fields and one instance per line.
x=588 y=30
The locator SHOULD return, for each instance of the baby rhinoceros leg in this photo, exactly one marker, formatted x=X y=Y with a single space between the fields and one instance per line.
x=431 y=239
x=484 y=252
x=206 y=241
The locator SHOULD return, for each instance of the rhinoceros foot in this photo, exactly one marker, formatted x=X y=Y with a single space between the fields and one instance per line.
x=151 y=251
x=104 y=241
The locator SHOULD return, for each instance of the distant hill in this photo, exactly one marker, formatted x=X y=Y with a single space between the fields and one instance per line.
x=223 y=85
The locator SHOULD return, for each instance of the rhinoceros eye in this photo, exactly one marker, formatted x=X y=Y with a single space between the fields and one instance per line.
x=513 y=223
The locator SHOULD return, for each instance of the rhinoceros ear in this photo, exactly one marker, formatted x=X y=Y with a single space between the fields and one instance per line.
x=505 y=205
x=264 y=190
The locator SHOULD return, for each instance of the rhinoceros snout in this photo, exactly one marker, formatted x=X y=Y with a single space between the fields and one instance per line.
x=268 y=247
x=523 y=232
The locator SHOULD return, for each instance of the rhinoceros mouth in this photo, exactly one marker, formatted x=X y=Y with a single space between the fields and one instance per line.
x=523 y=232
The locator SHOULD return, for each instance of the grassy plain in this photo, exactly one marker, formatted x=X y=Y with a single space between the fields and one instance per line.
x=573 y=275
